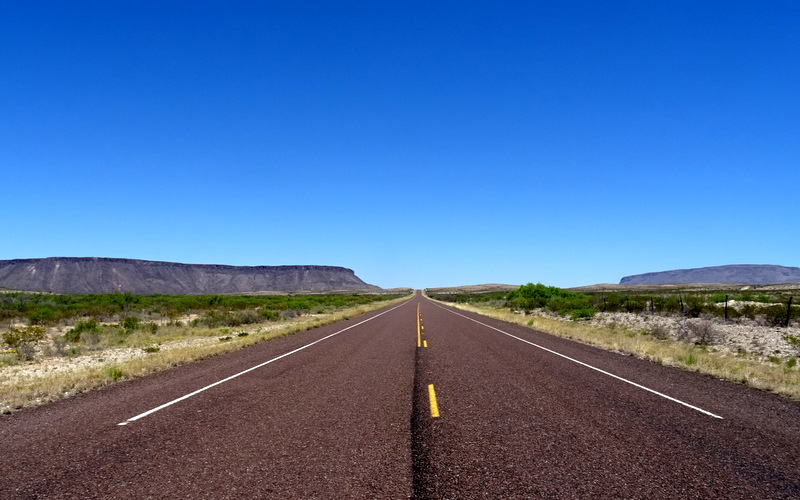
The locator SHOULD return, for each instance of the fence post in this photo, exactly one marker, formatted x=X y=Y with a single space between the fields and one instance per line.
x=788 y=311
x=726 y=308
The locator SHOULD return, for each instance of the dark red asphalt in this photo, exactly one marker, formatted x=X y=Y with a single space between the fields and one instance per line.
x=519 y=422
x=350 y=417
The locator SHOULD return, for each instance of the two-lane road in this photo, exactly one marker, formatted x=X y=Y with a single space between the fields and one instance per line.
x=417 y=400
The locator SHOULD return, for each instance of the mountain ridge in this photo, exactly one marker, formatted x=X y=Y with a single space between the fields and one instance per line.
x=747 y=274
x=107 y=275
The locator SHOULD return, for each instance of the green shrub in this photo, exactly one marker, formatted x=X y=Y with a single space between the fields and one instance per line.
x=21 y=336
x=669 y=303
x=775 y=315
x=557 y=300
x=74 y=334
x=576 y=305
x=609 y=303
x=694 y=305
x=23 y=340
x=718 y=297
x=214 y=319
x=247 y=317
x=532 y=296
x=43 y=316
x=270 y=315
x=749 y=311
x=733 y=313
x=582 y=313
x=130 y=323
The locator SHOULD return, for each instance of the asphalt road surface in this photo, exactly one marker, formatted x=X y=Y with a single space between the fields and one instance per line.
x=412 y=401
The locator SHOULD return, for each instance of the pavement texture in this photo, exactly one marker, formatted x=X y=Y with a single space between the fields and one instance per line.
x=414 y=401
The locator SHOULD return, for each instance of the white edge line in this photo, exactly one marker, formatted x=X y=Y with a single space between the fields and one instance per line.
x=588 y=365
x=198 y=391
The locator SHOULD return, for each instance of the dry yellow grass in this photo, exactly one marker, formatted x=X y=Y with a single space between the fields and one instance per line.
x=749 y=370
x=32 y=390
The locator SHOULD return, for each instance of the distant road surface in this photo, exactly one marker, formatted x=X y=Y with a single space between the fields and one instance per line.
x=411 y=401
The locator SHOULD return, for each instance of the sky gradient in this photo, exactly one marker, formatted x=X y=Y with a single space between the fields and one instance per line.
x=421 y=144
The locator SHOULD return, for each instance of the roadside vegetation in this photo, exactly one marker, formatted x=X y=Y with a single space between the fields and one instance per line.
x=53 y=346
x=773 y=309
x=682 y=328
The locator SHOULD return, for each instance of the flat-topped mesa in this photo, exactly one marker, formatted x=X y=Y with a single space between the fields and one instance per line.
x=108 y=275
x=747 y=274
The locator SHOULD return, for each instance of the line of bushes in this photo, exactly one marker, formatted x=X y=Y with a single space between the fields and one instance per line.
x=45 y=309
x=529 y=297
x=773 y=310
x=470 y=298
x=111 y=319
x=551 y=298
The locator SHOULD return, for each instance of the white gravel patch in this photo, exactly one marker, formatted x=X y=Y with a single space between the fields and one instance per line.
x=44 y=367
x=741 y=335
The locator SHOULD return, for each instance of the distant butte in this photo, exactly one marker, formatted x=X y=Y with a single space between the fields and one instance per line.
x=104 y=275
x=747 y=274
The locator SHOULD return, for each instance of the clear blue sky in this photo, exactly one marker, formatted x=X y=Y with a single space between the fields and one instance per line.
x=419 y=143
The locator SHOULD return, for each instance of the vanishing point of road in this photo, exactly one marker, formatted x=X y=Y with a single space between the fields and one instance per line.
x=416 y=400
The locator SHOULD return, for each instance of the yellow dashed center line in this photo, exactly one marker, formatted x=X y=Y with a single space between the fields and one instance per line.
x=434 y=405
x=419 y=328
x=424 y=343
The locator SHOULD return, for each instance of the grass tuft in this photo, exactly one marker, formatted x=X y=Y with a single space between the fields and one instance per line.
x=688 y=359
x=115 y=373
